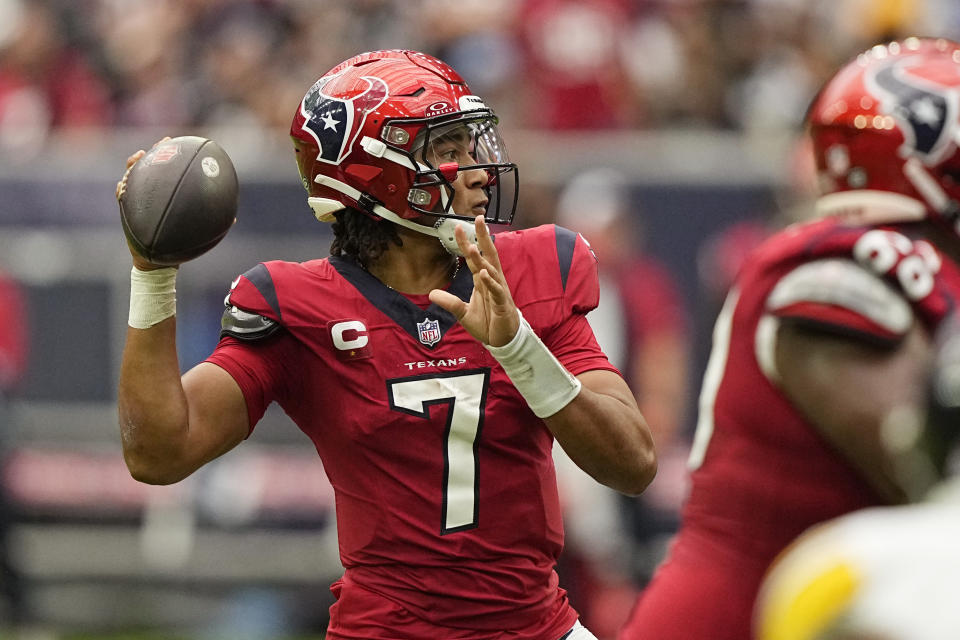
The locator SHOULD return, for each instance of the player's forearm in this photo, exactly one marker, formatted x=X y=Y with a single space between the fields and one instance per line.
x=151 y=404
x=608 y=438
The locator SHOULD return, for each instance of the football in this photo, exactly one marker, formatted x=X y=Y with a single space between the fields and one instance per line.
x=180 y=200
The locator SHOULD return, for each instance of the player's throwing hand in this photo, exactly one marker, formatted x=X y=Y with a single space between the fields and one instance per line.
x=491 y=316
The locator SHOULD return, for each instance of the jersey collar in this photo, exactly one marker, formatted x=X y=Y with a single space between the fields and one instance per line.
x=395 y=305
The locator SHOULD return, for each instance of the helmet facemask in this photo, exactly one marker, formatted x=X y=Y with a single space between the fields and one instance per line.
x=443 y=150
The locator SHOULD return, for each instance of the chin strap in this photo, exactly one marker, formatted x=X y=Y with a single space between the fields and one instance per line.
x=323 y=209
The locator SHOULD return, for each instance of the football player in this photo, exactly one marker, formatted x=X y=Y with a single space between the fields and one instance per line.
x=431 y=364
x=886 y=572
x=821 y=348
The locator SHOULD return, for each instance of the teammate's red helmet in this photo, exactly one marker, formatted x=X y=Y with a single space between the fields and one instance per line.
x=364 y=131
x=886 y=130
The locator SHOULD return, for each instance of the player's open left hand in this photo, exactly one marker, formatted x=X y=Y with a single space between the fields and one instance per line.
x=491 y=315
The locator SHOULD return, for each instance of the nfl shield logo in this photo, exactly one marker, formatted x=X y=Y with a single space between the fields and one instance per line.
x=164 y=153
x=429 y=331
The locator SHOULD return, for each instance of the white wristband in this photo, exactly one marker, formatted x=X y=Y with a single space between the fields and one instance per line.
x=153 y=296
x=543 y=382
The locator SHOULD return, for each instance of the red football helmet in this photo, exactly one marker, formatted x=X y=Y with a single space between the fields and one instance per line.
x=886 y=130
x=366 y=136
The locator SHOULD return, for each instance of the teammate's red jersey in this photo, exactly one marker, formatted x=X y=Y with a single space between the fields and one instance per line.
x=761 y=473
x=447 y=509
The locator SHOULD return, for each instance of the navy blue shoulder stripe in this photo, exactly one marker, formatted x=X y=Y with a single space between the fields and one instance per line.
x=260 y=277
x=566 y=241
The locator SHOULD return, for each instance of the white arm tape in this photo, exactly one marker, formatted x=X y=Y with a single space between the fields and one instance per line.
x=153 y=296
x=543 y=382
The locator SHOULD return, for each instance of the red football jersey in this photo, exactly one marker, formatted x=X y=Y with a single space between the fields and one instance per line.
x=447 y=509
x=761 y=473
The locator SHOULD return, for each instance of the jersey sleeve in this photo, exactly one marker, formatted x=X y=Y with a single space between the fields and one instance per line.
x=263 y=369
x=257 y=355
x=840 y=296
x=579 y=272
x=254 y=292
x=551 y=268
x=575 y=346
x=571 y=338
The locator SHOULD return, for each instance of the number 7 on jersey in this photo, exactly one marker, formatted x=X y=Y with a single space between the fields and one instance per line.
x=465 y=392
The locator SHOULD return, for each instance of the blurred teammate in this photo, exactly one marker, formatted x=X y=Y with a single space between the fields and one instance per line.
x=885 y=573
x=431 y=400
x=822 y=343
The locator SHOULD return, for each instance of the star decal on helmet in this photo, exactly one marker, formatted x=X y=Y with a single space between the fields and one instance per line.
x=323 y=115
x=329 y=122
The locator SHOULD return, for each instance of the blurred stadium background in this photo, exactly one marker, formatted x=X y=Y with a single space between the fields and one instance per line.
x=696 y=102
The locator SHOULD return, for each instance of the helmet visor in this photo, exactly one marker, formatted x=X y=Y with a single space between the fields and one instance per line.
x=467 y=161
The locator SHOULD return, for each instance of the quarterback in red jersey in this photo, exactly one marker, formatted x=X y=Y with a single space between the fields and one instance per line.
x=432 y=376
x=822 y=347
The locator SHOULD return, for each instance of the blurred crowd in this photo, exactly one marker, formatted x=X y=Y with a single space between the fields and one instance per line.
x=70 y=65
